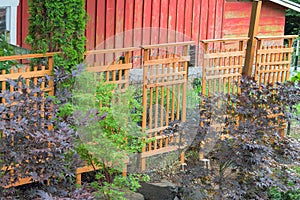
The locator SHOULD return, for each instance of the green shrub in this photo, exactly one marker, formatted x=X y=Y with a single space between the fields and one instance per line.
x=58 y=26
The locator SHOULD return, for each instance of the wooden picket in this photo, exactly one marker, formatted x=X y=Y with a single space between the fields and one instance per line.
x=273 y=58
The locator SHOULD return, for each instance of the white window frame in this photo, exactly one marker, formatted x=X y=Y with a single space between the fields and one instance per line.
x=11 y=18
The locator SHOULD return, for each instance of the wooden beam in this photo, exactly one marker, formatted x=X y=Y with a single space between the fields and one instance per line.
x=253 y=29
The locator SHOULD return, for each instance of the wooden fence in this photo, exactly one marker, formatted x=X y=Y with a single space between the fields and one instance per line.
x=31 y=72
x=165 y=76
x=222 y=66
x=273 y=58
x=165 y=69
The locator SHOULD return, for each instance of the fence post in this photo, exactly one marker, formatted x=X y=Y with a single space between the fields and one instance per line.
x=144 y=120
x=50 y=66
x=253 y=30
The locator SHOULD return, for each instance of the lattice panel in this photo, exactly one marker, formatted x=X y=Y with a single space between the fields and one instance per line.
x=222 y=67
x=273 y=60
x=117 y=70
x=32 y=75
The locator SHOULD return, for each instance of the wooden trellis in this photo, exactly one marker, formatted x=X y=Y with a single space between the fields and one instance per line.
x=222 y=66
x=273 y=58
x=31 y=74
x=164 y=95
x=113 y=64
x=165 y=74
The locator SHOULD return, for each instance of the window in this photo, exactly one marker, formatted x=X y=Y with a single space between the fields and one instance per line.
x=8 y=19
x=2 y=20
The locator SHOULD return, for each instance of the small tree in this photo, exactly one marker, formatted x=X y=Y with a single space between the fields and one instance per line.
x=292 y=25
x=58 y=26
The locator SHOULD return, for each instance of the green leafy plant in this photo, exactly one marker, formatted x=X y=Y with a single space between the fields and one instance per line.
x=58 y=26
x=6 y=50
x=116 y=189
x=107 y=143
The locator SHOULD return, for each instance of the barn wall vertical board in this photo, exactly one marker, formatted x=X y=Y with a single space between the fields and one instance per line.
x=155 y=21
x=91 y=24
x=204 y=19
x=120 y=12
x=25 y=23
x=219 y=18
x=110 y=23
x=196 y=20
x=188 y=20
x=180 y=20
x=196 y=28
x=164 y=12
x=147 y=8
x=211 y=19
x=100 y=24
x=172 y=20
x=129 y=10
x=100 y=29
x=138 y=24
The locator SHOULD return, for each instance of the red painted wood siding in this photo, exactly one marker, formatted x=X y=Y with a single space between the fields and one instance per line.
x=172 y=20
x=237 y=19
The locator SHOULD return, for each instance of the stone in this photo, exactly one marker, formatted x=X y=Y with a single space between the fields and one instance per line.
x=134 y=196
x=163 y=190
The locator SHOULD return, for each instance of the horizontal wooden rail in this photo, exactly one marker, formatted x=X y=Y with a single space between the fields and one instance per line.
x=27 y=56
x=276 y=37
x=102 y=51
x=167 y=45
x=225 y=40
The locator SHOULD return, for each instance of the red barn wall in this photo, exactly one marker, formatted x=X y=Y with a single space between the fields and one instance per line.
x=237 y=19
x=188 y=20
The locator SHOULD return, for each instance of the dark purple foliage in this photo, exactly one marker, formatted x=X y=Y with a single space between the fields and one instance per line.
x=34 y=141
x=255 y=156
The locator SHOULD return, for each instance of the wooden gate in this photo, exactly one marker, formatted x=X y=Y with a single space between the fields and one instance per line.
x=273 y=58
x=164 y=96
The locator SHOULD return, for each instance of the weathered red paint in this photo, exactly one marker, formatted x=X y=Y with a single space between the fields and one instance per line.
x=172 y=20
x=147 y=22
x=100 y=28
x=129 y=14
x=180 y=22
x=237 y=19
x=163 y=34
x=155 y=15
x=196 y=19
x=203 y=21
x=91 y=24
x=188 y=19
x=120 y=13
